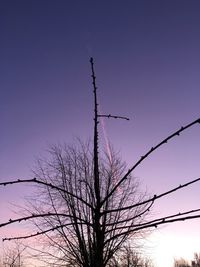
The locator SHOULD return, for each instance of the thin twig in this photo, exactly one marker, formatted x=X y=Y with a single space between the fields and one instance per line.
x=113 y=117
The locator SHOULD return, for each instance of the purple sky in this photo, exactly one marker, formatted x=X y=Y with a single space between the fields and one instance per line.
x=147 y=63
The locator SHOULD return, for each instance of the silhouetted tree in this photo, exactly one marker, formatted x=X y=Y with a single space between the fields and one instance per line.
x=129 y=257
x=89 y=205
x=184 y=263
x=13 y=256
x=80 y=238
x=181 y=263
x=196 y=261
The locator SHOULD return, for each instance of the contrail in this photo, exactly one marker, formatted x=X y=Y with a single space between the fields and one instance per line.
x=108 y=150
x=107 y=145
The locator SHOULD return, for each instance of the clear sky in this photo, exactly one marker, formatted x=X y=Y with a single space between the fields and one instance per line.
x=147 y=62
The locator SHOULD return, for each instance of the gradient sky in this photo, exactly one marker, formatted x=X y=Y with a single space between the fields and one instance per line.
x=147 y=61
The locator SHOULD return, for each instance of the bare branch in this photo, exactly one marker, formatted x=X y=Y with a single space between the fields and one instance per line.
x=153 y=225
x=33 y=216
x=113 y=116
x=158 y=220
x=88 y=206
x=34 y=180
x=131 y=218
x=177 y=133
x=154 y=198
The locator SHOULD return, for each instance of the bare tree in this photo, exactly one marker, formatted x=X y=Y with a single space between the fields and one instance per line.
x=196 y=261
x=181 y=263
x=13 y=256
x=129 y=257
x=72 y=214
x=89 y=206
x=184 y=263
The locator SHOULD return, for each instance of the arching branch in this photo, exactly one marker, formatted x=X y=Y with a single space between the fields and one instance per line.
x=50 y=185
x=152 y=225
x=154 y=198
x=177 y=133
x=49 y=214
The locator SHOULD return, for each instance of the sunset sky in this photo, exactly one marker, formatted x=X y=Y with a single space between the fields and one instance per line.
x=147 y=63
